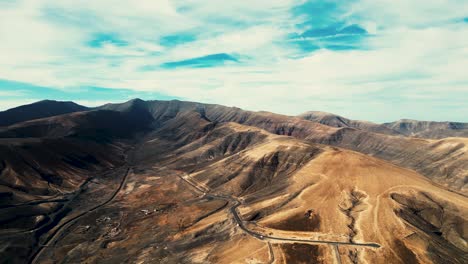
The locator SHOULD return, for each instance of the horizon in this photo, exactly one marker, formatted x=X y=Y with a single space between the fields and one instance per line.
x=378 y=61
x=152 y=100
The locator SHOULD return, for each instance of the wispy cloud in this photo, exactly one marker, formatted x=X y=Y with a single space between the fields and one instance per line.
x=177 y=39
x=12 y=91
x=281 y=55
x=101 y=39
x=211 y=60
x=333 y=37
x=332 y=31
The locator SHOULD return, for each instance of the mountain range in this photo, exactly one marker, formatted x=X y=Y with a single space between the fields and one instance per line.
x=186 y=182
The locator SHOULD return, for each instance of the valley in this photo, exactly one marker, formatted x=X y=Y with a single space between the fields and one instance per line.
x=182 y=182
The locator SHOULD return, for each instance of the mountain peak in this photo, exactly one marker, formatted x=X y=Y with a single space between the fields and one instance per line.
x=36 y=110
x=334 y=120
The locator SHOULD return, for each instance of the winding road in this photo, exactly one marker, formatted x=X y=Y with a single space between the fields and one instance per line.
x=206 y=193
x=236 y=203
x=67 y=223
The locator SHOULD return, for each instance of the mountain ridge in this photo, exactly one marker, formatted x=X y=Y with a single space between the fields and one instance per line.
x=170 y=181
x=422 y=155
x=339 y=121
x=404 y=126
x=429 y=129
x=40 y=109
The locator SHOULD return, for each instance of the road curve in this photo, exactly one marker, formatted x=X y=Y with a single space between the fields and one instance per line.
x=55 y=234
x=260 y=236
x=36 y=202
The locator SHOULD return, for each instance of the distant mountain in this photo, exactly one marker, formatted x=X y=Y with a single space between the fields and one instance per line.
x=176 y=182
x=423 y=156
x=333 y=120
x=429 y=129
x=404 y=127
x=41 y=109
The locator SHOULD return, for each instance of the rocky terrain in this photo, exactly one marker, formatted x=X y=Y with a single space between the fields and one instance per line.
x=339 y=121
x=406 y=127
x=429 y=129
x=184 y=182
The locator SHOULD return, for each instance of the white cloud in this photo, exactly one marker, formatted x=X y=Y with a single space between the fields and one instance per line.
x=414 y=13
x=417 y=48
x=12 y=93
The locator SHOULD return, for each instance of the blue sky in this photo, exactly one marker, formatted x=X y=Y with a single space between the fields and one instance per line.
x=377 y=60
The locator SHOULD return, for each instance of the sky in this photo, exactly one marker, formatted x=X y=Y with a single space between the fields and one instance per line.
x=376 y=60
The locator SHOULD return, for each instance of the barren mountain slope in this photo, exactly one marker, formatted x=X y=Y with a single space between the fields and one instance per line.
x=339 y=121
x=54 y=168
x=297 y=186
x=407 y=127
x=184 y=182
x=289 y=189
x=41 y=109
x=429 y=129
x=445 y=163
x=349 y=196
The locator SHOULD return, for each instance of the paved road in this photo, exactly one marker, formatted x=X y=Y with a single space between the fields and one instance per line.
x=36 y=202
x=66 y=201
x=260 y=236
x=233 y=209
x=63 y=226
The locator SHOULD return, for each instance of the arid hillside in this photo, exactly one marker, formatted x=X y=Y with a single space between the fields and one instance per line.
x=37 y=110
x=406 y=127
x=444 y=163
x=339 y=121
x=184 y=182
x=429 y=129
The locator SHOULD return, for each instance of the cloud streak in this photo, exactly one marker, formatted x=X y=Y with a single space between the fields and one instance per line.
x=367 y=59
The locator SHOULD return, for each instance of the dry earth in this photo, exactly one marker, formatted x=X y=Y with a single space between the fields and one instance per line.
x=181 y=182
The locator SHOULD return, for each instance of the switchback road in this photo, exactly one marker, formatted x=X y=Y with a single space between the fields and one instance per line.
x=260 y=236
x=236 y=203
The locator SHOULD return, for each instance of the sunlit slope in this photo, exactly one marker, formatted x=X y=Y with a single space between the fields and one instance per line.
x=295 y=188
